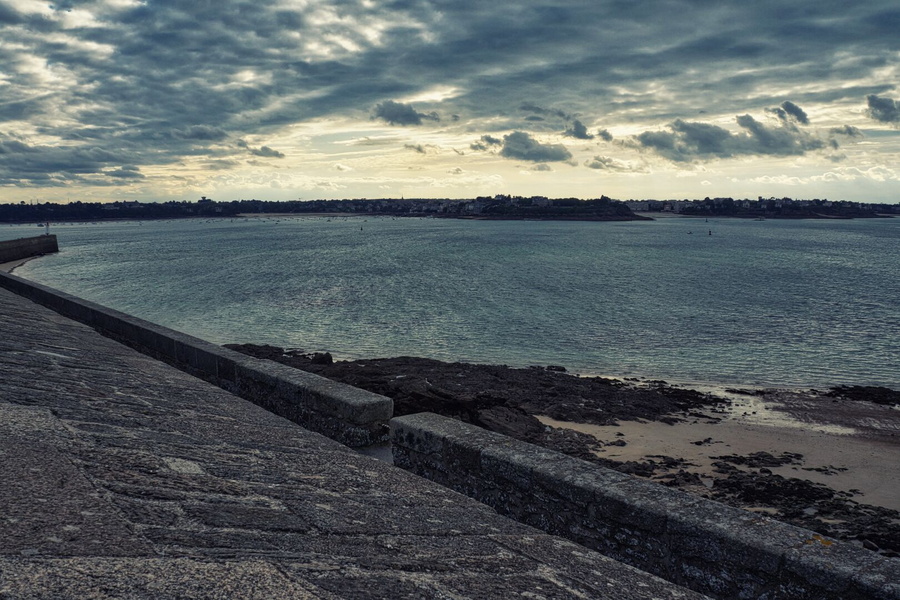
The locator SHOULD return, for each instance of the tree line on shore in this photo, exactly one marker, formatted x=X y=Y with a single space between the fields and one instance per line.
x=508 y=207
x=484 y=207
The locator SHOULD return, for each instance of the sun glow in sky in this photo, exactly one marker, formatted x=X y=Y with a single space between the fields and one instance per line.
x=169 y=100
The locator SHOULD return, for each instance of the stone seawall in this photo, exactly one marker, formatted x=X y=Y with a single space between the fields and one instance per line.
x=11 y=250
x=720 y=551
x=349 y=415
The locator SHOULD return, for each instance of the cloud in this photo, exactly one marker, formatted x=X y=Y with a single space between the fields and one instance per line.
x=22 y=164
x=520 y=145
x=9 y=16
x=883 y=110
x=175 y=83
x=847 y=130
x=221 y=165
x=538 y=110
x=606 y=163
x=485 y=142
x=264 y=151
x=579 y=131
x=397 y=113
x=415 y=148
x=686 y=141
x=788 y=112
x=201 y=132
x=126 y=172
x=542 y=167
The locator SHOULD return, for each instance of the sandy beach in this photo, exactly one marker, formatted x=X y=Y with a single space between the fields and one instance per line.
x=850 y=448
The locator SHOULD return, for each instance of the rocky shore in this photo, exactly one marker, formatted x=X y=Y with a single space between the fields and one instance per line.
x=612 y=422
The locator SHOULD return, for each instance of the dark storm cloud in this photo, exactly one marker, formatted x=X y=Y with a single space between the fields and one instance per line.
x=266 y=152
x=161 y=81
x=788 y=112
x=9 y=16
x=885 y=110
x=201 y=132
x=22 y=110
x=520 y=145
x=687 y=141
x=795 y=111
x=127 y=172
x=539 y=110
x=397 y=113
x=23 y=164
x=485 y=142
x=847 y=130
x=578 y=131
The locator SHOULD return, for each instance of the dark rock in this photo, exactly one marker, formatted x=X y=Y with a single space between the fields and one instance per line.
x=866 y=393
x=322 y=358
x=762 y=459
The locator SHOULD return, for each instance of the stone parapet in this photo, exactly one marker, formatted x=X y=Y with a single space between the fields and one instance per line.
x=718 y=550
x=344 y=413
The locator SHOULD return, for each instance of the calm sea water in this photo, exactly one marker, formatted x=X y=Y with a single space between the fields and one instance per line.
x=800 y=303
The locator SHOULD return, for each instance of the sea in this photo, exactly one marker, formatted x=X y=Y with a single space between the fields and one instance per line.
x=788 y=303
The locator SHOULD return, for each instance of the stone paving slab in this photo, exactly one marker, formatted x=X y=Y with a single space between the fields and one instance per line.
x=121 y=477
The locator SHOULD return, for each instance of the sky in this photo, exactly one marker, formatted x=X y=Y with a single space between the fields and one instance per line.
x=157 y=100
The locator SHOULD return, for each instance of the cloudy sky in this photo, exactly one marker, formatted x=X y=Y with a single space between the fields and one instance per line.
x=284 y=99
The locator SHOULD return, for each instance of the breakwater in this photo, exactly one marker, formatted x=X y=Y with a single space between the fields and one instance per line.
x=11 y=250
x=720 y=551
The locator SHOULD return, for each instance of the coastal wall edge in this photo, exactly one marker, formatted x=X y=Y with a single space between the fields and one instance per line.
x=11 y=250
x=718 y=550
x=344 y=413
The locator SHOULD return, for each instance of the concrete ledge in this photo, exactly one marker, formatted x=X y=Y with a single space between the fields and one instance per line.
x=11 y=250
x=349 y=415
x=718 y=550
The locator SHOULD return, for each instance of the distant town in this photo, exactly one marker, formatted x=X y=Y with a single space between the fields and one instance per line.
x=482 y=207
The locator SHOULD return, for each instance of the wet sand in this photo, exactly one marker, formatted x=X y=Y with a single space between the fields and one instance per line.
x=853 y=448
x=9 y=267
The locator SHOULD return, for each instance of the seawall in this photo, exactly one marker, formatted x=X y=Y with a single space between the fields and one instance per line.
x=349 y=415
x=11 y=250
x=720 y=551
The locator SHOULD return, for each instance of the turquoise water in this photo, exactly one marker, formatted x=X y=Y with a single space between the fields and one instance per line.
x=800 y=303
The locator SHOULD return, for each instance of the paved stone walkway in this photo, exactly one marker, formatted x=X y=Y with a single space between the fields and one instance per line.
x=121 y=477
